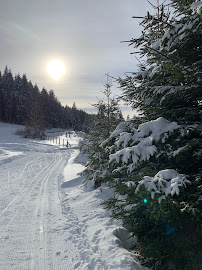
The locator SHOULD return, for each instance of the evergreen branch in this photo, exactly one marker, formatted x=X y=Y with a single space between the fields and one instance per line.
x=152 y=4
x=112 y=77
x=167 y=57
x=137 y=17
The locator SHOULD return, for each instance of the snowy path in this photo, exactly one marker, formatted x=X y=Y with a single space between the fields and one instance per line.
x=49 y=220
x=29 y=222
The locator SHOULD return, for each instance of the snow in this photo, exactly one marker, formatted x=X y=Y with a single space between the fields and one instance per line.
x=139 y=144
x=176 y=152
x=8 y=149
x=72 y=168
x=50 y=218
x=197 y=6
x=157 y=128
x=119 y=129
x=164 y=183
x=5 y=154
x=129 y=146
x=100 y=237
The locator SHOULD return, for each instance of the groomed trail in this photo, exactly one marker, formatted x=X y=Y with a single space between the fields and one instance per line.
x=49 y=219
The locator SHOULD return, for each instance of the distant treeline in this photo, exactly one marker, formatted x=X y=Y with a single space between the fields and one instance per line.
x=23 y=103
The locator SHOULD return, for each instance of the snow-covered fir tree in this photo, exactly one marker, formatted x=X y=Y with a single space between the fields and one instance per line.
x=154 y=163
x=7 y=95
x=107 y=117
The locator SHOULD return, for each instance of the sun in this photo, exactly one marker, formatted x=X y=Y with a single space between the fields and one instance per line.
x=56 y=69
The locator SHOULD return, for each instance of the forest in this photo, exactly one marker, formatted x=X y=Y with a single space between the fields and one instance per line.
x=23 y=103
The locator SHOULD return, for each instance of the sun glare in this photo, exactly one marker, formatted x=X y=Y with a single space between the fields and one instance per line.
x=56 y=69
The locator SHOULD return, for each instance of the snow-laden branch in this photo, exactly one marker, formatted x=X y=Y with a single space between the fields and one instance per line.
x=164 y=183
x=197 y=7
x=138 y=145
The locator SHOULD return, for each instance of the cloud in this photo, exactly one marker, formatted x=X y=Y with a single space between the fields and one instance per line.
x=23 y=31
x=86 y=35
x=12 y=31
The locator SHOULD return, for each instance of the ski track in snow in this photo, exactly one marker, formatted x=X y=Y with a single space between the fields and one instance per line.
x=35 y=232
x=41 y=227
x=26 y=223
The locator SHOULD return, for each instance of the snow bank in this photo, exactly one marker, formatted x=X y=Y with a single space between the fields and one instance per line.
x=5 y=155
x=10 y=145
x=106 y=238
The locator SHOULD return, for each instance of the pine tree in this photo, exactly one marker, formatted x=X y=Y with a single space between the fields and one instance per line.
x=75 y=120
x=22 y=99
x=155 y=162
x=35 y=124
x=107 y=117
x=44 y=104
x=171 y=75
x=67 y=117
x=53 y=114
x=1 y=100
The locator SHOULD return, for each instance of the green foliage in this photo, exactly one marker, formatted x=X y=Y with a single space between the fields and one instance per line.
x=168 y=84
x=169 y=81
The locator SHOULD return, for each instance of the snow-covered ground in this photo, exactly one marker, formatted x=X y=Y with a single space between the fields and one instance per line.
x=49 y=218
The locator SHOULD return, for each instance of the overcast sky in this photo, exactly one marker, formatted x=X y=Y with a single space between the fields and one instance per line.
x=85 y=34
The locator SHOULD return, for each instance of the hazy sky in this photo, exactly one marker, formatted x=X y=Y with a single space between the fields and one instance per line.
x=85 y=34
